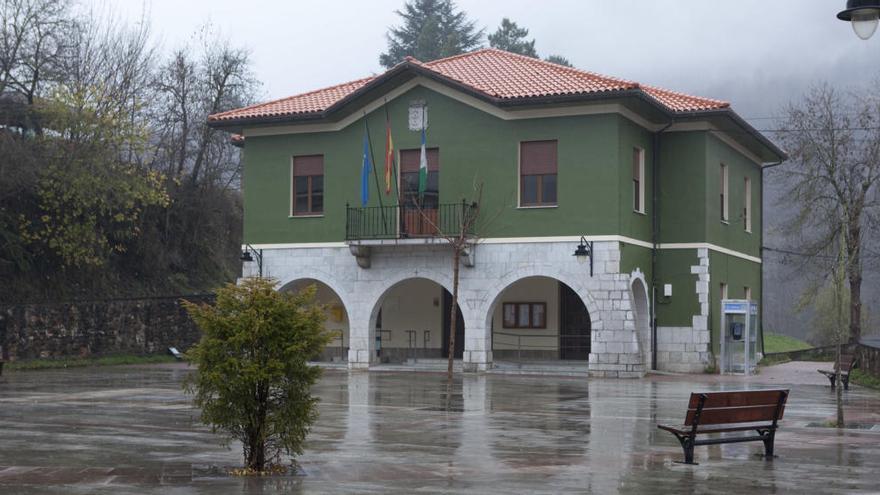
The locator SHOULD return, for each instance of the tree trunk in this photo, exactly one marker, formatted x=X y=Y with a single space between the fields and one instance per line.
x=854 y=272
x=456 y=258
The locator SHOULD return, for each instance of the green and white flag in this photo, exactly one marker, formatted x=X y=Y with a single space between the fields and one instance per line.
x=423 y=168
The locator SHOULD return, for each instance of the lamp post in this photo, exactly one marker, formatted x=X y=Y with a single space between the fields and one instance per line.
x=864 y=16
x=249 y=255
x=584 y=251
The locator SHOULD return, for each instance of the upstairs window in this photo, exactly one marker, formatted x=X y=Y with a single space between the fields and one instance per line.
x=409 y=178
x=724 y=211
x=747 y=207
x=747 y=291
x=638 y=173
x=307 y=190
x=723 y=287
x=537 y=169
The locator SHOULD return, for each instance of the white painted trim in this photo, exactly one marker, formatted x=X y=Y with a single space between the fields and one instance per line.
x=725 y=190
x=641 y=192
x=297 y=245
x=713 y=247
x=747 y=201
x=523 y=240
x=503 y=114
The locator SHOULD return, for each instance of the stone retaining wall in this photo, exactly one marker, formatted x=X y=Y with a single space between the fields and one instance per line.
x=95 y=328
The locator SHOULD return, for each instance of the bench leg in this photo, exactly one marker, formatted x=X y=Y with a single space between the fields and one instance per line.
x=769 y=438
x=687 y=444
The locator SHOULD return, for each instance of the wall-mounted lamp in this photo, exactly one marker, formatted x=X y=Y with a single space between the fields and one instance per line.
x=248 y=256
x=584 y=251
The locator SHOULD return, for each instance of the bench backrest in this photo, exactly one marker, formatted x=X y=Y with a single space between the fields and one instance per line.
x=847 y=360
x=744 y=406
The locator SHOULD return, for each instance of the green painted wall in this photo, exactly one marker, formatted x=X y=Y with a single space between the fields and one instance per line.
x=682 y=187
x=737 y=273
x=634 y=224
x=732 y=235
x=674 y=267
x=594 y=192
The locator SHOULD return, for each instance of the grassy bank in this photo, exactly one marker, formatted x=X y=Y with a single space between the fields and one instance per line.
x=859 y=377
x=774 y=342
x=46 y=364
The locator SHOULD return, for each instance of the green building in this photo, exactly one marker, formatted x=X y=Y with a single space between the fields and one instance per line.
x=659 y=193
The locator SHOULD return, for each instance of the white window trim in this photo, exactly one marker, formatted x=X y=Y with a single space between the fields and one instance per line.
x=641 y=210
x=748 y=204
x=725 y=190
x=291 y=186
x=747 y=291
x=724 y=290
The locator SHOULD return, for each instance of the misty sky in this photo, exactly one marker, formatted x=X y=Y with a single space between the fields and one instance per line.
x=758 y=54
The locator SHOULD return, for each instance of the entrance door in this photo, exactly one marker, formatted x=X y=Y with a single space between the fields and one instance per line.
x=459 y=327
x=419 y=216
x=574 y=338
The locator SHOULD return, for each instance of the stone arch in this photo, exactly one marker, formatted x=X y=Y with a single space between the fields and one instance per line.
x=387 y=284
x=582 y=286
x=641 y=308
x=323 y=277
x=380 y=293
x=582 y=289
x=339 y=319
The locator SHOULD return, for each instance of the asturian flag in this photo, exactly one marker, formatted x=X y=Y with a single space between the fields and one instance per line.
x=366 y=168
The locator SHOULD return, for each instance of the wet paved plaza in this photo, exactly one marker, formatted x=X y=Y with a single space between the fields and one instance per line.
x=131 y=430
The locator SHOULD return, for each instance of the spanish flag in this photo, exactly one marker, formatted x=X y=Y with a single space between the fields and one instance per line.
x=389 y=156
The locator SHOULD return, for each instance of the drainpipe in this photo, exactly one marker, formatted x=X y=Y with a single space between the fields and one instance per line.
x=761 y=252
x=655 y=235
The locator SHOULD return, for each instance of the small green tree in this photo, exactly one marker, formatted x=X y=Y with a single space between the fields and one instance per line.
x=253 y=379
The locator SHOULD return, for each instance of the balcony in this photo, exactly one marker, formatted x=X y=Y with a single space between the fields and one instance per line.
x=408 y=221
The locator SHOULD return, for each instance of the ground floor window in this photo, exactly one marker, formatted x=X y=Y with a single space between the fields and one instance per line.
x=525 y=315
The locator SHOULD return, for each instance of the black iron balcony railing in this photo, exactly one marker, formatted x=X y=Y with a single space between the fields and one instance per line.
x=407 y=221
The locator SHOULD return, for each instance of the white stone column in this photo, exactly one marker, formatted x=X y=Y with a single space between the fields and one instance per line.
x=361 y=340
x=477 y=346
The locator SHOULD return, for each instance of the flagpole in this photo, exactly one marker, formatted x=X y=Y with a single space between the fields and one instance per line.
x=395 y=177
x=375 y=175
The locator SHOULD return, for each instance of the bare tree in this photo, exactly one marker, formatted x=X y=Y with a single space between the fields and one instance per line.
x=461 y=236
x=834 y=143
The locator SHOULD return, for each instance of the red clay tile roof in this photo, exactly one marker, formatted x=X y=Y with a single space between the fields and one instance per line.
x=495 y=73
x=313 y=101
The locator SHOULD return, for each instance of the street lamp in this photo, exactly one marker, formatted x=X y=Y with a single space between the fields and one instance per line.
x=584 y=251
x=247 y=257
x=864 y=15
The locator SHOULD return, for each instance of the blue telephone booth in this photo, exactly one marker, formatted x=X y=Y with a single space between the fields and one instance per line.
x=739 y=336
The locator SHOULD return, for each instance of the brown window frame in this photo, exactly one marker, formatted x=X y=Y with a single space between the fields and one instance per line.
x=549 y=170
x=516 y=312
x=310 y=191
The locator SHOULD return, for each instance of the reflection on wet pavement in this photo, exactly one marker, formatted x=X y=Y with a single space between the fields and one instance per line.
x=131 y=430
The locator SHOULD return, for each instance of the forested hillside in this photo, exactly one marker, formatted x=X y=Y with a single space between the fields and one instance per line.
x=111 y=184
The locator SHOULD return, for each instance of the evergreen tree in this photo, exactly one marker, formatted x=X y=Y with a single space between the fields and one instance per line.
x=559 y=59
x=431 y=29
x=512 y=38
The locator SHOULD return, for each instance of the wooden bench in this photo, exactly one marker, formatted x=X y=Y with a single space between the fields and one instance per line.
x=849 y=362
x=725 y=412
